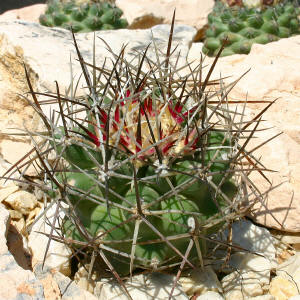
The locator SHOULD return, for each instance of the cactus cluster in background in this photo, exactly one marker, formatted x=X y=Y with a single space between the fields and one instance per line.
x=150 y=163
x=85 y=17
x=241 y=27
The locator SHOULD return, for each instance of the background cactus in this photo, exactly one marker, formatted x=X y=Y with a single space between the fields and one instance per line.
x=152 y=170
x=85 y=17
x=252 y=3
x=244 y=26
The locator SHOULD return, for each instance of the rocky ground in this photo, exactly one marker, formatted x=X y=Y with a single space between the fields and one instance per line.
x=276 y=236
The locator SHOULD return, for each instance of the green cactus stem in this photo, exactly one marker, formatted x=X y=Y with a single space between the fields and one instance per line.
x=85 y=17
x=249 y=25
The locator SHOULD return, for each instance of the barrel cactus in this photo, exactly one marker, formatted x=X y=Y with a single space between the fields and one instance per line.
x=147 y=167
x=84 y=17
x=242 y=26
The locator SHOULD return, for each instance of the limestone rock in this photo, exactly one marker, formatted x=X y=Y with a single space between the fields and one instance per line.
x=51 y=288
x=82 y=280
x=210 y=296
x=11 y=149
x=252 y=275
x=48 y=50
x=238 y=285
x=29 y=13
x=33 y=214
x=15 y=215
x=6 y=191
x=292 y=238
x=18 y=282
x=200 y=281
x=58 y=253
x=148 y=13
x=245 y=262
x=4 y=222
x=273 y=74
x=290 y=269
x=15 y=244
x=16 y=276
x=279 y=208
x=282 y=288
x=57 y=285
x=155 y=286
x=15 y=111
x=22 y=201
x=19 y=225
x=263 y=297
x=253 y=238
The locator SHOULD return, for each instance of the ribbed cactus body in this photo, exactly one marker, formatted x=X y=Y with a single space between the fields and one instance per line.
x=171 y=216
x=244 y=26
x=85 y=17
x=148 y=166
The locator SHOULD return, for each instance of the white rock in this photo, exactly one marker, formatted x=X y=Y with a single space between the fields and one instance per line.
x=155 y=286
x=4 y=222
x=282 y=288
x=15 y=112
x=237 y=285
x=15 y=281
x=286 y=237
x=263 y=297
x=82 y=280
x=210 y=296
x=290 y=269
x=245 y=262
x=22 y=201
x=15 y=215
x=20 y=225
x=291 y=239
x=253 y=238
x=29 y=13
x=16 y=244
x=6 y=191
x=57 y=285
x=200 y=281
x=146 y=13
x=252 y=275
x=48 y=50
x=58 y=253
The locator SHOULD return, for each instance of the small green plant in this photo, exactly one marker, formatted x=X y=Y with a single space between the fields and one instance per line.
x=85 y=17
x=241 y=27
x=152 y=170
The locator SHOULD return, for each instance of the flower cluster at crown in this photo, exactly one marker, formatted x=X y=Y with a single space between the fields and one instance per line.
x=145 y=126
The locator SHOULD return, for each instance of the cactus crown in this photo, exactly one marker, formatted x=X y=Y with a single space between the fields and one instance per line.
x=152 y=169
x=84 y=17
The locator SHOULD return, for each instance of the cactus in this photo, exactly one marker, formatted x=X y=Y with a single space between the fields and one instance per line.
x=84 y=17
x=152 y=172
x=242 y=26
